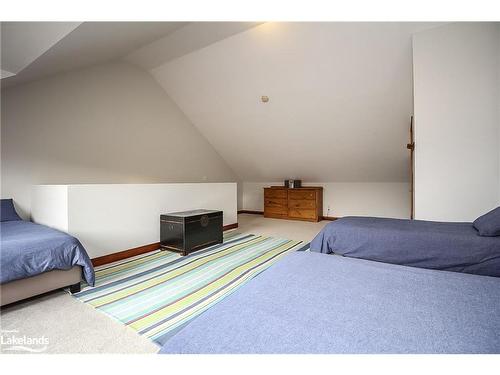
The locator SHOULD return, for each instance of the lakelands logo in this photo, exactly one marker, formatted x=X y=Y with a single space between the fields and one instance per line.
x=10 y=340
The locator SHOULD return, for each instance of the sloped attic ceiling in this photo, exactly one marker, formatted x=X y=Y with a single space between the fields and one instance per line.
x=340 y=99
x=33 y=50
x=23 y=42
x=84 y=44
x=340 y=93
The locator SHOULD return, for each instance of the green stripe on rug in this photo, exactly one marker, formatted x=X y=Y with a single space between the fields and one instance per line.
x=158 y=292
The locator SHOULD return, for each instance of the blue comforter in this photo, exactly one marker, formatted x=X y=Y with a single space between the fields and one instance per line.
x=427 y=244
x=28 y=249
x=316 y=303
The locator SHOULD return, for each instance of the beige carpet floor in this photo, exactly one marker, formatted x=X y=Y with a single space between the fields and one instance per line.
x=74 y=327
x=291 y=229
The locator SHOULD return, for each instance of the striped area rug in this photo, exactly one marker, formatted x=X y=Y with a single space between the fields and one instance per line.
x=157 y=293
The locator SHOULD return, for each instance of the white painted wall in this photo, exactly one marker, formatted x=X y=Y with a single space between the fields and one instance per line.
x=457 y=121
x=345 y=199
x=340 y=99
x=50 y=206
x=113 y=217
x=111 y=123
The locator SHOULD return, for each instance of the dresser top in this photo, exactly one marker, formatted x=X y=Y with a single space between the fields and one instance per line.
x=299 y=188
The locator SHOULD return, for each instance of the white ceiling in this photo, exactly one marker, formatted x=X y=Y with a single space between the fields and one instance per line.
x=340 y=99
x=340 y=93
x=24 y=42
x=87 y=44
x=5 y=74
x=32 y=50
x=184 y=40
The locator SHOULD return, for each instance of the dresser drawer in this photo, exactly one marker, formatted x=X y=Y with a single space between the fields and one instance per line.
x=275 y=202
x=302 y=214
x=275 y=193
x=302 y=203
x=275 y=211
x=301 y=194
x=294 y=204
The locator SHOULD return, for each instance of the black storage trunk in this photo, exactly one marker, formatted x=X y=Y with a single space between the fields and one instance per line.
x=188 y=231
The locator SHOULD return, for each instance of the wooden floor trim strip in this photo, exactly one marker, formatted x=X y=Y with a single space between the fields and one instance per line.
x=251 y=212
x=331 y=218
x=230 y=226
x=114 y=257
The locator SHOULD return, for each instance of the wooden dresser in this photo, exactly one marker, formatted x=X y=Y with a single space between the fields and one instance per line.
x=304 y=203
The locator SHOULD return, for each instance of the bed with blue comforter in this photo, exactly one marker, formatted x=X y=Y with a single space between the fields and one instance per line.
x=316 y=303
x=428 y=244
x=28 y=249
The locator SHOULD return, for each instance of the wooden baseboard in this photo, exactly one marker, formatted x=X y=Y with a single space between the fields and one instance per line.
x=251 y=212
x=230 y=226
x=331 y=218
x=110 y=258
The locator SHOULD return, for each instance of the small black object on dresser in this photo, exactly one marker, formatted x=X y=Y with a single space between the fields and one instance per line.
x=188 y=231
x=293 y=184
